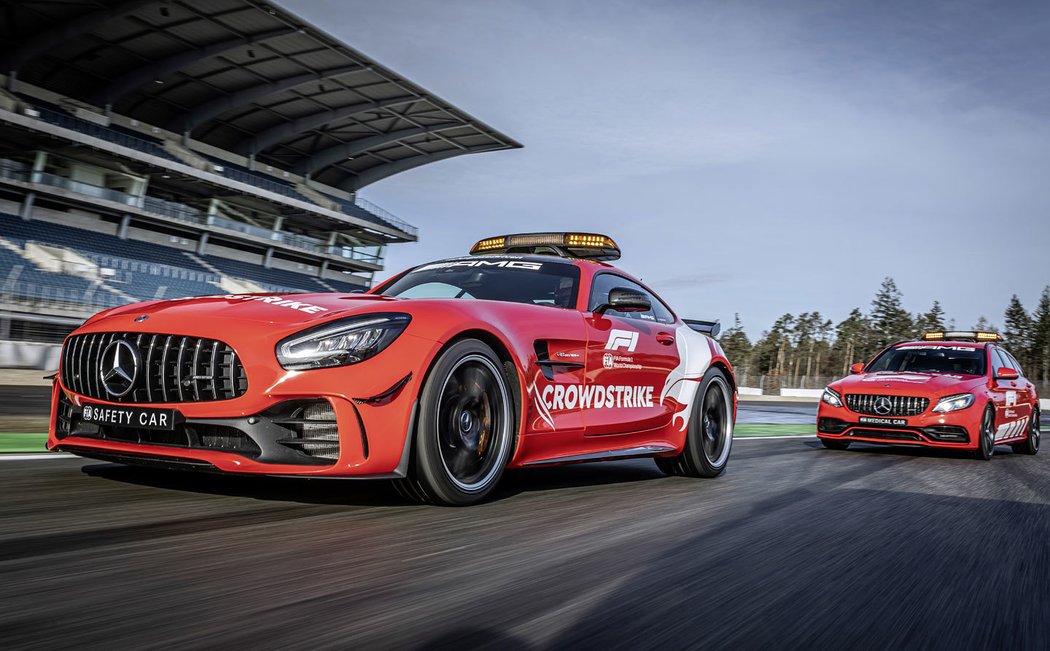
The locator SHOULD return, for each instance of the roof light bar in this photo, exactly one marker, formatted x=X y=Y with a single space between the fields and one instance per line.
x=591 y=246
x=961 y=335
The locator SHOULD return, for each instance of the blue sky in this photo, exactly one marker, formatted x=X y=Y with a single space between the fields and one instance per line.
x=749 y=157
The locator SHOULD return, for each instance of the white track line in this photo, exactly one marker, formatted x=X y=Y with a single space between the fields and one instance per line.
x=36 y=457
x=773 y=438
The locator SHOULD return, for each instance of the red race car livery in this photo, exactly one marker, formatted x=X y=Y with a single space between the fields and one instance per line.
x=531 y=351
x=949 y=390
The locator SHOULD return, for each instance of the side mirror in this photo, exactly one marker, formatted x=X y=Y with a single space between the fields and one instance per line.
x=1007 y=374
x=857 y=368
x=623 y=299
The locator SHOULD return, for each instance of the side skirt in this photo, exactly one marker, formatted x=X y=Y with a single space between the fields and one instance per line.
x=640 y=451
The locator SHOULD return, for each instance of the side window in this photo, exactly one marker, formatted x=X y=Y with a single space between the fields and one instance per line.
x=997 y=361
x=604 y=283
x=1012 y=362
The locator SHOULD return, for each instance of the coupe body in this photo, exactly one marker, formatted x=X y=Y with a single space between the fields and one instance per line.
x=439 y=378
x=959 y=390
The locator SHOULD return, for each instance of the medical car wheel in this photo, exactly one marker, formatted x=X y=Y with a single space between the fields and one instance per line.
x=465 y=431
x=1031 y=444
x=986 y=443
x=710 y=432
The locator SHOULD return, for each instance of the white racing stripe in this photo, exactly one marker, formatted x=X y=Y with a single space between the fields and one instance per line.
x=37 y=456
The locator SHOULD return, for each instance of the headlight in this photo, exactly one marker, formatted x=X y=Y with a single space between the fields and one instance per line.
x=341 y=342
x=832 y=397
x=954 y=403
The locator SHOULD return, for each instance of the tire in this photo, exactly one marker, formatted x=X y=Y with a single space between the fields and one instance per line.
x=986 y=441
x=709 y=437
x=466 y=428
x=835 y=444
x=1031 y=444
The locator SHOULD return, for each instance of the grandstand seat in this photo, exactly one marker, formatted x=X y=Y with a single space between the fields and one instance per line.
x=84 y=240
x=275 y=279
x=244 y=175
x=141 y=269
x=351 y=208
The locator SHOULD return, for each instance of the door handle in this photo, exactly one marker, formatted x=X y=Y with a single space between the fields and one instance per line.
x=665 y=338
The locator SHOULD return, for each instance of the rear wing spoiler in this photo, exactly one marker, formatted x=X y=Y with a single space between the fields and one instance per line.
x=709 y=328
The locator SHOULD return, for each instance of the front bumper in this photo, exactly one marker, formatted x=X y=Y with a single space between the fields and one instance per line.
x=953 y=430
x=371 y=404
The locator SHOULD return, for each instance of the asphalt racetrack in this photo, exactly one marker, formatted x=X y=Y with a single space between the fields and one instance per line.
x=794 y=547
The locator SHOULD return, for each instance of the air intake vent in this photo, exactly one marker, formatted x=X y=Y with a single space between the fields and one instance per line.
x=154 y=368
x=317 y=433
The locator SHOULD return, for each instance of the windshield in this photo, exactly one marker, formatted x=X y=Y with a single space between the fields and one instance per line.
x=513 y=281
x=955 y=360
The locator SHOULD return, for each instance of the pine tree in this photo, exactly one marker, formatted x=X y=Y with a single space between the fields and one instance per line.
x=1017 y=330
x=736 y=345
x=931 y=321
x=984 y=325
x=852 y=342
x=890 y=322
x=1040 y=355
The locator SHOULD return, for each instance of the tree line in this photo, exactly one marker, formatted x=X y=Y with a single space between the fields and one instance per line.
x=808 y=344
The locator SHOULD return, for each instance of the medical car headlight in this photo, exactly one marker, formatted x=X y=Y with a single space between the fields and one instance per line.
x=953 y=403
x=341 y=342
x=831 y=397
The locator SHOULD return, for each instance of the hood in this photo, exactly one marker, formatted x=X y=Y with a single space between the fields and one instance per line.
x=271 y=309
x=895 y=383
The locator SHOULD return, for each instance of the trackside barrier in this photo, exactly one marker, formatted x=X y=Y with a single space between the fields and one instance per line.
x=22 y=354
x=802 y=393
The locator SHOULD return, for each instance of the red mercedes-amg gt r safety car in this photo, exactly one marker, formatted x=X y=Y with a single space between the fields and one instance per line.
x=949 y=390
x=529 y=352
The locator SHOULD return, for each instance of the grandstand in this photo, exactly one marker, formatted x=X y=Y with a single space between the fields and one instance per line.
x=168 y=148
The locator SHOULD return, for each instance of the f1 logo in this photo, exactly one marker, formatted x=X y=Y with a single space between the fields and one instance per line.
x=622 y=339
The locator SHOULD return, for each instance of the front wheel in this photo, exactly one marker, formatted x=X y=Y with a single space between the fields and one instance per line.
x=986 y=443
x=1031 y=444
x=465 y=433
x=710 y=431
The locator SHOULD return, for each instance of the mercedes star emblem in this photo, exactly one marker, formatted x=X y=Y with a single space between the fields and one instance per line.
x=883 y=405
x=119 y=368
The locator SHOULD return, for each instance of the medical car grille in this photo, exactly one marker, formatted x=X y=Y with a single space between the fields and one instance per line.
x=132 y=367
x=876 y=405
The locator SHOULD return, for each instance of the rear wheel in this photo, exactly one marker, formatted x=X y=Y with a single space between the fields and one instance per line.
x=986 y=443
x=1031 y=444
x=465 y=433
x=710 y=432
x=834 y=444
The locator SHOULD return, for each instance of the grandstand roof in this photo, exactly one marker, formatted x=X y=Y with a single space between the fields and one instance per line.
x=242 y=75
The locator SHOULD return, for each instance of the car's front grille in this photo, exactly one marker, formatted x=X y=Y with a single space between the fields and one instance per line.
x=877 y=405
x=170 y=368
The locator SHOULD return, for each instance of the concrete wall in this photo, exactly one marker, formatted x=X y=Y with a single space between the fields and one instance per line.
x=20 y=354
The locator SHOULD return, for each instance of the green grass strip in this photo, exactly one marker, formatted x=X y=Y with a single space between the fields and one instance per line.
x=778 y=429
x=11 y=442
x=21 y=442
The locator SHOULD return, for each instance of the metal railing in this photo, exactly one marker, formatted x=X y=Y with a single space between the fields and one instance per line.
x=18 y=172
x=386 y=216
x=227 y=170
x=109 y=134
